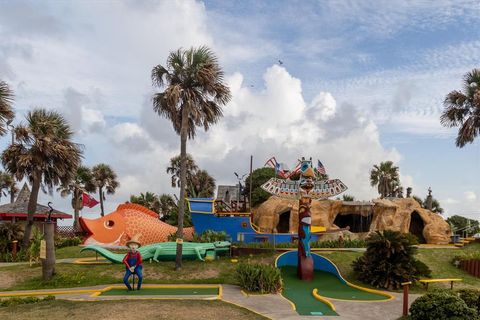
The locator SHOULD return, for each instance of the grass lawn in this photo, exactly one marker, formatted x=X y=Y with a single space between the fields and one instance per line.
x=23 y=277
x=127 y=310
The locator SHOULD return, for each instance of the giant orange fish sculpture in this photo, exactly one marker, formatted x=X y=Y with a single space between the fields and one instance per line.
x=116 y=228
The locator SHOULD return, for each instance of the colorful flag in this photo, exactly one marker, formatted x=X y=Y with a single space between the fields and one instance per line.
x=89 y=201
x=272 y=163
x=295 y=170
x=321 y=168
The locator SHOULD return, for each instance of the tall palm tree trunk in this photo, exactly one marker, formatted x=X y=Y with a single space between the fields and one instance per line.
x=183 y=183
x=32 y=207
x=76 y=212
x=100 y=194
x=12 y=194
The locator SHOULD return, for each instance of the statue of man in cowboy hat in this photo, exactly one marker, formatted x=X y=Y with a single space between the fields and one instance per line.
x=133 y=262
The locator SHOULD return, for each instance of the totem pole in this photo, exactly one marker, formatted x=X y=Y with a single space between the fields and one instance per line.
x=308 y=187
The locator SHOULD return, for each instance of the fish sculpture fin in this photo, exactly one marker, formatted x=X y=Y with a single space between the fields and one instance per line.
x=134 y=206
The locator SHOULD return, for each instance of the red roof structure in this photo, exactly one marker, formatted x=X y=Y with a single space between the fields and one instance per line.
x=18 y=210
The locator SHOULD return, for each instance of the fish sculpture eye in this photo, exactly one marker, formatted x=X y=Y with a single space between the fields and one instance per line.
x=109 y=224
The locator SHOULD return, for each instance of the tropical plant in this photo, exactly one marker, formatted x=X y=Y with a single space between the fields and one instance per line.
x=167 y=204
x=194 y=93
x=8 y=233
x=385 y=176
x=7 y=184
x=104 y=178
x=81 y=183
x=6 y=110
x=389 y=260
x=210 y=236
x=44 y=154
x=259 y=176
x=348 y=197
x=262 y=278
x=436 y=207
x=202 y=185
x=149 y=200
x=462 y=109
x=441 y=305
x=175 y=170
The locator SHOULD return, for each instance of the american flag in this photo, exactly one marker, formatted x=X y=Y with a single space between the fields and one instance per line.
x=321 y=168
x=295 y=170
x=272 y=163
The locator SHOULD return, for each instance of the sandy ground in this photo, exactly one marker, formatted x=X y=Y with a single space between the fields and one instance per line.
x=127 y=310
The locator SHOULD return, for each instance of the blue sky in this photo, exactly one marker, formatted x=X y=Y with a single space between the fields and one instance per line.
x=360 y=83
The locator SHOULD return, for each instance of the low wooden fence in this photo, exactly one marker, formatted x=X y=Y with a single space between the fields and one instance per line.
x=471 y=266
x=69 y=232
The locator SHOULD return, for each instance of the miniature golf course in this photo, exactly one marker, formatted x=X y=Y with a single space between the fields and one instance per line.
x=163 y=292
x=328 y=282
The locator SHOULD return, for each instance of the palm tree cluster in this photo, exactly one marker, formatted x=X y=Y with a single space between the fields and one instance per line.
x=462 y=109
x=199 y=182
x=193 y=93
x=386 y=177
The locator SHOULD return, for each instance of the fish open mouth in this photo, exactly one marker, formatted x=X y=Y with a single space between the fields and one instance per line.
x=87 y=232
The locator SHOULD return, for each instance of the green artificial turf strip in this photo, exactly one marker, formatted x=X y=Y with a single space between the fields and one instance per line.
x=163 y=291
x=328 y=285
x=300 y=293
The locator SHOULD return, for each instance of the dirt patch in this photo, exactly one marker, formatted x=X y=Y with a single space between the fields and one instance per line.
x=11 y=278
x=126 y=310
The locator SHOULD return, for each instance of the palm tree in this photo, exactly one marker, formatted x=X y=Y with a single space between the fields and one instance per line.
x=193 y=95
x=148 y=199
x=436 y=207
x=6 y=110
x=385 y=177
x=104 y=177
x=44 y=154
x=462 y=109
x=167 y=204
x=202 y=185
x=81 y=183
x=175 y=170
x=7 y=184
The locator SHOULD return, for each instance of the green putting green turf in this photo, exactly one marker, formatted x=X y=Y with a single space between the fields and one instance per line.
x=162 y=292
x=328 y=285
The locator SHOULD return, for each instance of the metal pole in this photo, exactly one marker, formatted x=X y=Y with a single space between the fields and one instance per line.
x=250 y=196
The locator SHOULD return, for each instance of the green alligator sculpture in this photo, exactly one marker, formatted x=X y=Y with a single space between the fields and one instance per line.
x=165 y=251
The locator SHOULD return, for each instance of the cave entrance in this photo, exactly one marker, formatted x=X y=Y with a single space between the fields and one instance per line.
x=283 y=225
x=358 y=223
x=416 y=227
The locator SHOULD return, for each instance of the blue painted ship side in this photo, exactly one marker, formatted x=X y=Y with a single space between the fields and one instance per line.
x=238 y=227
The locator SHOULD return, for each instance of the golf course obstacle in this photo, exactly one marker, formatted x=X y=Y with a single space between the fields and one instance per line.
x=317 y=297
x=311 y=185
x=165 y=251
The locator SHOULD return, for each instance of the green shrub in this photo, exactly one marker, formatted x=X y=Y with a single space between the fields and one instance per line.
x=389 y=260
x=210 y=236
x=62 y=242
x=441 y=305
x=471 y=298
x=16 y=300
x=345 y=243
x=260 y=278
x=422 y=270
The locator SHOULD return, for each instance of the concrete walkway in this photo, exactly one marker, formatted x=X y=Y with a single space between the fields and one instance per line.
x=273 y=306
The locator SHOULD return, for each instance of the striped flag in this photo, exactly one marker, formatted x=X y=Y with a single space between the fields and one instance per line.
x=321 y=168
x=272 y=163
x=295 y=170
